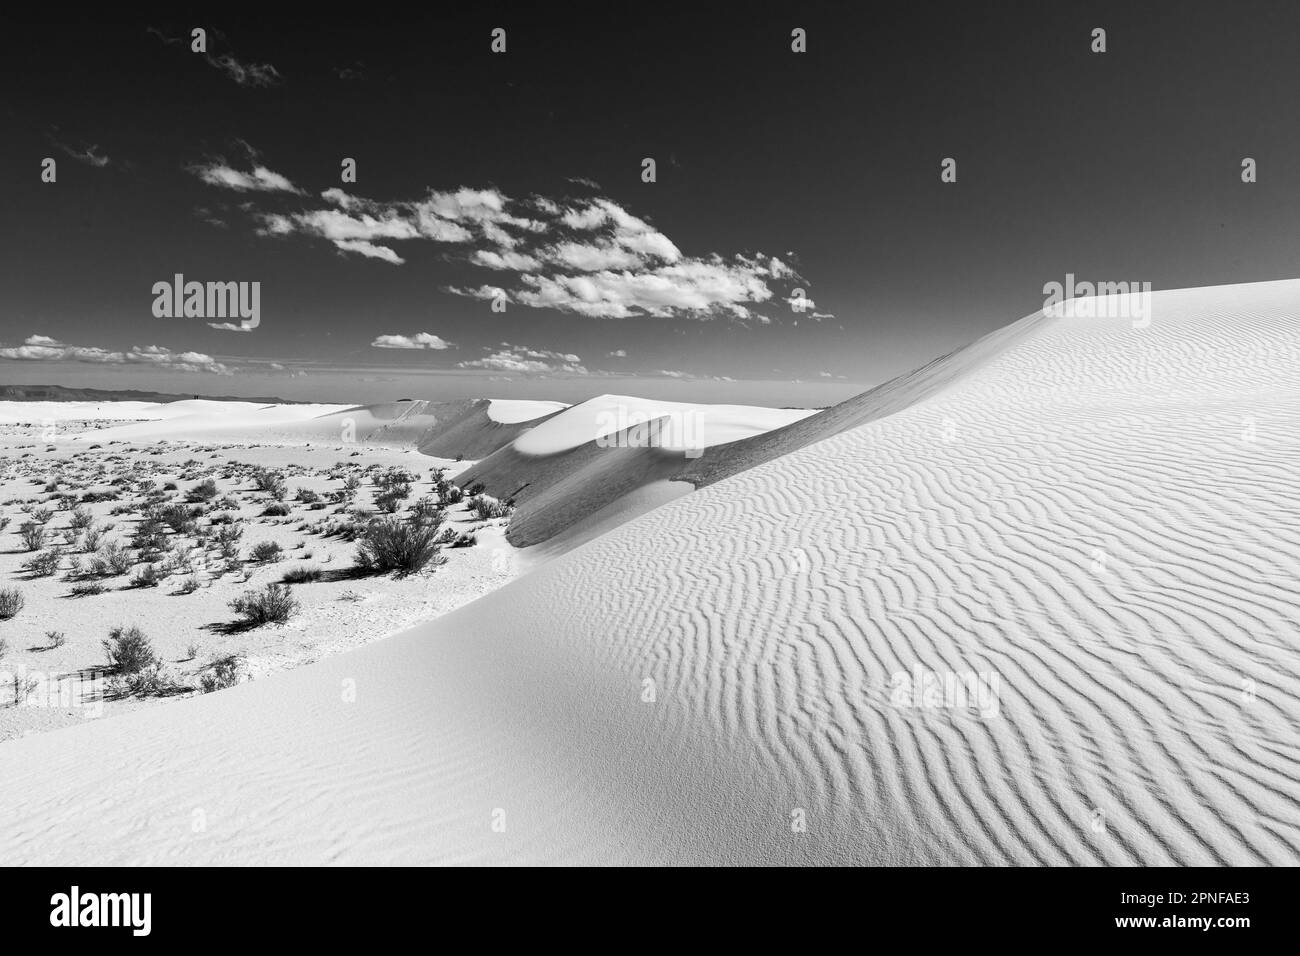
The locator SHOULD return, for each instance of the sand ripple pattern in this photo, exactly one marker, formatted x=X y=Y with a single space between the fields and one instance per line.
x=1106 y=517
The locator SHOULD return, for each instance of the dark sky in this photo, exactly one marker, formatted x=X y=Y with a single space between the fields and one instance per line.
x=1122 y=166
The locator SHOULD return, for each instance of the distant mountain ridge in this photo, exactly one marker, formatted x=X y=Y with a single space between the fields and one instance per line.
x=61 y=393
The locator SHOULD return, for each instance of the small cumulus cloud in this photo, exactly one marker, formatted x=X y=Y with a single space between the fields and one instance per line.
x=420 y=340
x=42 y=348
x=519 y=358
x=260 y=179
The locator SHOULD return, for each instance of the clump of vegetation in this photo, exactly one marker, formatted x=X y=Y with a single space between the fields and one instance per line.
x=390 y=544
x=152 y=681
x=302 y=574
x=45 y=563
x=11 y=602
x=204 y=491
x=265 y=552
x=129 y=651
x=33 y=535
x=272 y=482
x=273 y=604
x=88 y=589
x=150 y=536
x=179 y=518
x=146 y=576
x=276 y=510
x=111 y=559
x=227 y=539
x=485 y=506
x=222 y=673
x=428 y=511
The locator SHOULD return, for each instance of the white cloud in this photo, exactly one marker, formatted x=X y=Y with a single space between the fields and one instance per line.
x=89 y=156
x=246 y=74
x=519 y=358
x=618 y=353
x=589 y=257
x=514 y=261
x=41 y=348
x=260 y=179
x=370 y=250
x=420 y=340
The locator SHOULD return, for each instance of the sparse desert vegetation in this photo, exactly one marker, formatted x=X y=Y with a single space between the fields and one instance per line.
x=160 y=533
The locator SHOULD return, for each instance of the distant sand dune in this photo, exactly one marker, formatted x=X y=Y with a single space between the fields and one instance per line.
x=1104 y=518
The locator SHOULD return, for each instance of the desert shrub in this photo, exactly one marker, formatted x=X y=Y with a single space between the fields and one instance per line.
x=151 y=681
x=272 y=482
x=222 y=673
x=476 y=489
x=170 y=486
x=146 y=576
x=266 y=551
x=273 y=604
x=150 y=536
x=276 y=510
x=94 y=497
x=179 y=518
x=129 y=650
x=55 y=639
x=428 y=511
x=389 y=544
x=485 y=506
x=393 y=478
x=307 y=496
x=93 y=539
x=33 y=536
x=111 y=559
x=45 y=563
x=189 y=585
x=302 y=574
x=204 y=491
x=81 y=519
x=88 y=589
x=390 y=500
x=11 y=602
x=227 y=539
x=452 y=496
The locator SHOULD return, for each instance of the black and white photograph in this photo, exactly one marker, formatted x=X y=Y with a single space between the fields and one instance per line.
x=717 y=435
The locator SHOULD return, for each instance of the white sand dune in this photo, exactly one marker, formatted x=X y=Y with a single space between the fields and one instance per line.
x=1104 y=518
x=466 y=429
x=561 y=476
x=593 y=463
x=42 y=412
